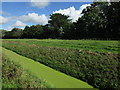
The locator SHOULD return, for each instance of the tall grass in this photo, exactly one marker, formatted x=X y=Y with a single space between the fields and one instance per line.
x=14 y=76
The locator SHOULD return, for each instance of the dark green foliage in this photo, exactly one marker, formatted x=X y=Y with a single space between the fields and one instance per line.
x=2 y=33
x=14 y=76
x=98 y=69
x=58 y=20
x=59 y=23
x=113 y=20
x=14 y=33
x=93 y=23
x=34 y=31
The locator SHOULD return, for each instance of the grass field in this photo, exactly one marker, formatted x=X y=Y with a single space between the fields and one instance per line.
x=90 y=45
x=93 y=61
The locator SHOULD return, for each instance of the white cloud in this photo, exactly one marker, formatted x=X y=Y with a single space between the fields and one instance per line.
x=34 y=18
x=39 y=4
x=10 y=28
x=3 y=20
x=72 y=12
x=17 y=24
x=84 y=6
x=1 y=12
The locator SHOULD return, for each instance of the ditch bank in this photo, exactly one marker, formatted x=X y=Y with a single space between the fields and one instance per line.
x=56 y=78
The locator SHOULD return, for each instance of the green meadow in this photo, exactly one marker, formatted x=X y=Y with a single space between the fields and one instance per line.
x=67 y=63
x=108 y=46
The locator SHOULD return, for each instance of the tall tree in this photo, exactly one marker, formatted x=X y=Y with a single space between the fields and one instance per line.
x=14 y=33
x=93 y=22
x=59 y=23
x=34 y=31
x=113 y=20
x=26 y=32
x=3 y=33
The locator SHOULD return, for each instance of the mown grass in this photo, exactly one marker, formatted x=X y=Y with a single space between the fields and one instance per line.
x=55 y=79
x=89 y=45
x=99 y=69
x=14 y=76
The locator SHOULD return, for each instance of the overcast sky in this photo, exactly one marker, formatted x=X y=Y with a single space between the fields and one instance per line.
x=20 y=14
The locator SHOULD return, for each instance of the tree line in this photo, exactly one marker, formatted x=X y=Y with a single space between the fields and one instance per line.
x=99 y=21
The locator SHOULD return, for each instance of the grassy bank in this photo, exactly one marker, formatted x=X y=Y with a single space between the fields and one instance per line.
x=55 y=79
x=94 y=64
x=14 y=76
